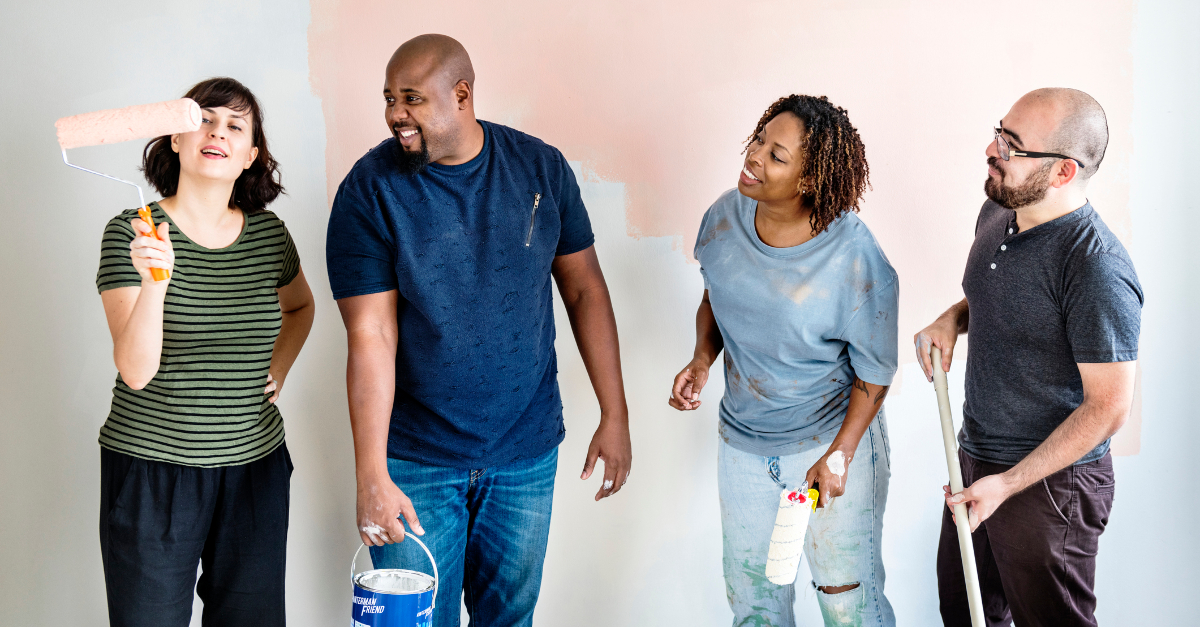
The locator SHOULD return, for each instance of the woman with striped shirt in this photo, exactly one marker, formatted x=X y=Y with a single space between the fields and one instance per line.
x=193 y=464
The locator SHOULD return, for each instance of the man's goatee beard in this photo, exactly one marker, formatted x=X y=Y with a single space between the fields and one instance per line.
x=1033 y=191
x=410 y=162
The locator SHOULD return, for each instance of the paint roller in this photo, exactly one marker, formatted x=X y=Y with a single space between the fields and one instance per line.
x=787 y=539
x=965 y=548
x=113 y=126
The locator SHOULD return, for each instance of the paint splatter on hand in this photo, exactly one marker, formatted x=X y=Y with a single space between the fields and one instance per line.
x=611 y=445
x=836 y=463
x=380 y=506
x=375 y=531
x=685 y=392
x=829 y=473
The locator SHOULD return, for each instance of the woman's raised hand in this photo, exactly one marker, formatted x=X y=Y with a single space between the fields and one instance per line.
x=685 y=394
x=147 y=252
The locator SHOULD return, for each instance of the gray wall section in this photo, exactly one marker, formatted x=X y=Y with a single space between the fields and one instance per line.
x=1151 y=543
x=55 y=353
x=61 y=58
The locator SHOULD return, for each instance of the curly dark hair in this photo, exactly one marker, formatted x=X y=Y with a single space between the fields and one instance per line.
x=257 y=186
x=835 y=172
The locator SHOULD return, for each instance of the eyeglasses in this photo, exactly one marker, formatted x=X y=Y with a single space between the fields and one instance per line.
x=1007 y=151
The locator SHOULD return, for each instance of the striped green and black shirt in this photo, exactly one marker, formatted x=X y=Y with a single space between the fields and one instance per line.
x=205 y=406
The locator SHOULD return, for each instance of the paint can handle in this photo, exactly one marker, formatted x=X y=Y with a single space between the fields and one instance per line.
x=436 y=579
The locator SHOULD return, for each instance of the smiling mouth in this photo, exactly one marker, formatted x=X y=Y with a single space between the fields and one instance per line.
x=406 y=134
x=216 y=152
x=750 y=176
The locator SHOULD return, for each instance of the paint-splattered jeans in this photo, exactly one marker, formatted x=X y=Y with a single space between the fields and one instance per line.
x=842 y=546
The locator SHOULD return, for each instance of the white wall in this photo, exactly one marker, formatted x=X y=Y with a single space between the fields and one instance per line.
x=1151 y=543
x=649 y=556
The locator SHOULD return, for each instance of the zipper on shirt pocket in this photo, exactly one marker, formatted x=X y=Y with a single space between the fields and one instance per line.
x=537 y=199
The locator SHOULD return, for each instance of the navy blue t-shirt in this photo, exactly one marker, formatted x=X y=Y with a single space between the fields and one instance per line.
x=468 y=248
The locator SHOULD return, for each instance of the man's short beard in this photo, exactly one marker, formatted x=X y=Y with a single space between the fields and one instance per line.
x=412 y=162
x=1033 y=191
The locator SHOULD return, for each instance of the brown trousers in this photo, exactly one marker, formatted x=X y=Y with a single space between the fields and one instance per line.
x=1036 y=555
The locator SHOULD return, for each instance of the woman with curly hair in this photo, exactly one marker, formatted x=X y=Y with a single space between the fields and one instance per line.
x=193 y=465
x=803 y=302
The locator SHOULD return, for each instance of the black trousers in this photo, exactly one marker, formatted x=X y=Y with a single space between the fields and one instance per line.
x=1036 y=555
x=159 y=520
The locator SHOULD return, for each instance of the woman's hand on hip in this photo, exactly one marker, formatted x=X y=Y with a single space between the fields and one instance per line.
x=685 y=393
x=273 y=387
x=146 y=252
x=830 y=474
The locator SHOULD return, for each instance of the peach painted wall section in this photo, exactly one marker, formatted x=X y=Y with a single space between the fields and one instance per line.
x=659 y=96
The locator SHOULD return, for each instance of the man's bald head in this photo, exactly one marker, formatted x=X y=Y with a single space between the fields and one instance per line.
x=429 y=90
x=436 y=58
x=1081 y=129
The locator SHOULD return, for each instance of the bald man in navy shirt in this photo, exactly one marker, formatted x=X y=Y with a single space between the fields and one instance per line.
x=442 y=244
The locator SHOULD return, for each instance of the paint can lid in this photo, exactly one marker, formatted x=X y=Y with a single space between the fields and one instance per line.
x=394 y=581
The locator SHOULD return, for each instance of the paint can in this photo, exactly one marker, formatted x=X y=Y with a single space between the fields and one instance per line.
x=393 y=597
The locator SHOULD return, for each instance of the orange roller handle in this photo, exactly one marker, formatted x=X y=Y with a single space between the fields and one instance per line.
x=159 y=274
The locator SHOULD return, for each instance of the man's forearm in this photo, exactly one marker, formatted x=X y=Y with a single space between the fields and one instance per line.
x=595 y=328
x=371 y=387
x=1086 y=427
x=960 y=315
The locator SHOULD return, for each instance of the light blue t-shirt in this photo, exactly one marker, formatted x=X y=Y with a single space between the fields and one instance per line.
x=799 y=324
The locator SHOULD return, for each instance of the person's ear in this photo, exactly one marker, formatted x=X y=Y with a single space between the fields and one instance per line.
x=175 y=143
x=253 y=156
x=1066 y=172
x=462 y=94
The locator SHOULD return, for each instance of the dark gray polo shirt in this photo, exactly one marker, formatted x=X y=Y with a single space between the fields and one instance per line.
x=1041 y=301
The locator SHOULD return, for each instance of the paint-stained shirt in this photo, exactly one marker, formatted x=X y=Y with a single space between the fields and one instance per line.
x=1041 y=301
x=205 y=406
x=468 y=248
x=799 y=324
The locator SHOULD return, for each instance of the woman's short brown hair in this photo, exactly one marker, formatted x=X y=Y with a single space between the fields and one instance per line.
x=835 y=173
x=257 y=186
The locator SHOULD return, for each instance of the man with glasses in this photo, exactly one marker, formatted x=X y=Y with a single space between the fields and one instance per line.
x=1053 y=311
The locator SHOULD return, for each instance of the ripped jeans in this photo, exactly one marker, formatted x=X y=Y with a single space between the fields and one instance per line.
x=842 y=546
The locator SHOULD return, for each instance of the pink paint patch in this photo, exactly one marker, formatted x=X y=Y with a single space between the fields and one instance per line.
x=660 y=96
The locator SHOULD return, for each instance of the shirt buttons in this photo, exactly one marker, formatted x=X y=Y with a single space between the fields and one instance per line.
x=993 y=266
x=1003 y=247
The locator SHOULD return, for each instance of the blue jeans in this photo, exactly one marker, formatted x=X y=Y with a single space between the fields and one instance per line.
x=842 y=546
x=487 y=529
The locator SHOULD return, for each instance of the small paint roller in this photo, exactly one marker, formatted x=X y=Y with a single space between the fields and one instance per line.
x=965 y=548
x=787 y=539
x=113 y=126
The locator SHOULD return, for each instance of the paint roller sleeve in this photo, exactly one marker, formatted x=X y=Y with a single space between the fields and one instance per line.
x=113 y=126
